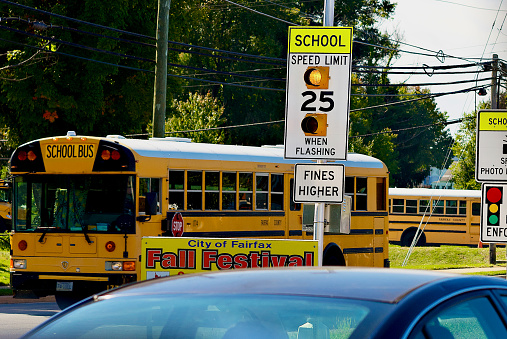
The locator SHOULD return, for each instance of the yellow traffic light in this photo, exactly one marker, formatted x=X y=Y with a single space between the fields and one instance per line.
x=317 y=77
x=315 y=124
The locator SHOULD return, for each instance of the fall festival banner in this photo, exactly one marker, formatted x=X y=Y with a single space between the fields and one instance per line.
x=167 y=256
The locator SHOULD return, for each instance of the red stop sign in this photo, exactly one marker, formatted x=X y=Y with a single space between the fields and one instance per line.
x=177 y=225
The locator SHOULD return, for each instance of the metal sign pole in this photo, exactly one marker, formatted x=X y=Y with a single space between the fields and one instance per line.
x=318 y=221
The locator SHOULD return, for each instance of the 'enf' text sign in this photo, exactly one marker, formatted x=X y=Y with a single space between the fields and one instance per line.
x=319 y=183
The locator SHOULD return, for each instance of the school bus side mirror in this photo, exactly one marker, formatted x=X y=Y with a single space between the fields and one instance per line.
x=151 y=202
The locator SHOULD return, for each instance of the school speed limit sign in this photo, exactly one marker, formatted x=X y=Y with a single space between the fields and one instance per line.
x=319 y=66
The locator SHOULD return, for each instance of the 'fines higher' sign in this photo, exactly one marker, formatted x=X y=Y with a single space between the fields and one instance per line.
x=319 y=183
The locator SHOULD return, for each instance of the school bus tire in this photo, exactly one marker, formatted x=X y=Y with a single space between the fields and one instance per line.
x=3 y=226
x=65 y=299
x=333 y=256
x=408 y=236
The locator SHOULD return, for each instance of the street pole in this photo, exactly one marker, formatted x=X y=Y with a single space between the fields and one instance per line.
x=160 y=88
x=494 y=105
x=318 y=218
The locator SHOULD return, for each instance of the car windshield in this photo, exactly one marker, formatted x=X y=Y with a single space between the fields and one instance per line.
x=89 y=203
x=217 y=317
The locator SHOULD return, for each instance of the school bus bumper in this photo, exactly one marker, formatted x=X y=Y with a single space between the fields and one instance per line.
x=40 y=284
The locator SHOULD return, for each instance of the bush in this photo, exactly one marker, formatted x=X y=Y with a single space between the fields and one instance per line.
x=5 y=244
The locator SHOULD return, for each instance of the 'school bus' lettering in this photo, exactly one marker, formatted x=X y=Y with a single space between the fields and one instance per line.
x=82 y=206
x=69 y=151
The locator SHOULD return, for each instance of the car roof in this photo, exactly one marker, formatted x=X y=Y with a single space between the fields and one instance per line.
x=383 y=285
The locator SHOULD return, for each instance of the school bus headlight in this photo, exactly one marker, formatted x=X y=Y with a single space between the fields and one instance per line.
x=120 y=266
x=19 y=263
x=314 y=124
x=114 y=266
x=317 y=77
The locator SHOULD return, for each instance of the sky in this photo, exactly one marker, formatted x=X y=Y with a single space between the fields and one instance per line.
x=460 y=28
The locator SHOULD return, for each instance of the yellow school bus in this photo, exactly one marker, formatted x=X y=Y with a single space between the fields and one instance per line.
x=437 y=216
x=5 y=206
x=81 y=206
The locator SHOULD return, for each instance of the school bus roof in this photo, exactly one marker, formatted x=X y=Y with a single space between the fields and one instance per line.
x=429 y=192
x=200 y=151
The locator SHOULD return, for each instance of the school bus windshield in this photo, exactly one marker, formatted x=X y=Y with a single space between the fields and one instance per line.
x=75 y=203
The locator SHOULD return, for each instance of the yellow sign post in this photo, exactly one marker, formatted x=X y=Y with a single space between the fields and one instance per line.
x=167 y=256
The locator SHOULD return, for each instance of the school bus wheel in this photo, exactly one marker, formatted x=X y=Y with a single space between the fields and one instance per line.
x=408 y=236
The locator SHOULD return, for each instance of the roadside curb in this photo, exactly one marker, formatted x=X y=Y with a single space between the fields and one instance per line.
x=9 y=299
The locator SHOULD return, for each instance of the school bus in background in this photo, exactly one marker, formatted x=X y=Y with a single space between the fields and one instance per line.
x=445 y=216
x=82 y=205
x=5 y=206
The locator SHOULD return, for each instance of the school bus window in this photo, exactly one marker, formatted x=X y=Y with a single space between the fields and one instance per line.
x=74 y=203
x=261 y=191
x=194 y=190
x=276 y=192
x=438 y=207
x=211 y=190
x=245 y=191
x=361 y=194
x=411 y=206
x=381 y=194
x=451 y=207
x=229 y=191
x=147 y=185
x=398 y=206
x=424 y=207
x=476 y=208
x=349 y=189
x=462 y=207
x=176 y=189
x=293 y=205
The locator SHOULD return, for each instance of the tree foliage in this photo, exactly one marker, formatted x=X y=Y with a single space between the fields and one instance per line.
x=74 y=76
x=197 y=112
x=47 y=92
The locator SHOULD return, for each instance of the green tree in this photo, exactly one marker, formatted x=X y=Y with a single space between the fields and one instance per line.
x=52 y=87
x=463 y=170
x=197 y=112
x=228 y=27
x=416 y=138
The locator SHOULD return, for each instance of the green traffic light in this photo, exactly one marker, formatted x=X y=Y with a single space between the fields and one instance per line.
x=493 y=219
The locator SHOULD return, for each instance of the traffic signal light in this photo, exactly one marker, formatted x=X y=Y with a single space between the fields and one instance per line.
x=493 y=201
x=317 y=77
x=314 y=124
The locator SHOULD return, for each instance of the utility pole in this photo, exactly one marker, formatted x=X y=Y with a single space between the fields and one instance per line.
x=494 y=105
x=160 y=90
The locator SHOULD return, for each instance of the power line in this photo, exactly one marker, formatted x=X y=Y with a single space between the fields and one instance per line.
x=352 y=110
x=207 y=48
